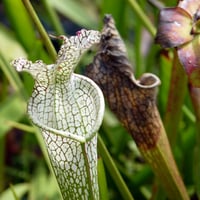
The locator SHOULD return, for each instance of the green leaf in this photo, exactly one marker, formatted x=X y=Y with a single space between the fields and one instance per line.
x=12 y=109
x=20 y=22
x=80 y=14
x=103 y=190
x=118 y=13
x=9 y=47
x=19 y=189
x=39 y=189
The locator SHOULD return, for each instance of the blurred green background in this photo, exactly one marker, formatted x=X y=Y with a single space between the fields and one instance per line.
x=23 y=168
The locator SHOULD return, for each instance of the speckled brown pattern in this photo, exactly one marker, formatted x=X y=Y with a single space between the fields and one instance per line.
x=133 y=101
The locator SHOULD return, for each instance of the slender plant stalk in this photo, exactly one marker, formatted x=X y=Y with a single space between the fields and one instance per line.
x=195 y=97
x=41 y=30
x=113 y=170
x=103 y=188
x=14 y=193
x=2 y=162
x=175 y=99
x=164 y=167
x=144 y=19
x=20 y=126
x=7 y=73
x=89 y=176
x=188 y=113
x=11 y=75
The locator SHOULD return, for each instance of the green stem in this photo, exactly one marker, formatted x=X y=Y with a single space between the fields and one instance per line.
x=20 y=126
x=41 y=30
x=53 y=18
x=12 y=76
x=143 y=17
x=195 y=97
x=175 y=100
x=113 y=170
x=103 y=188
x=87 y=166
x=13 y=192
x=2 y=163
x=188 y=113
x=163 y=164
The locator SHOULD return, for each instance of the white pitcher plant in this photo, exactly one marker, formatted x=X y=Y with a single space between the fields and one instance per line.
x=68 y=108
